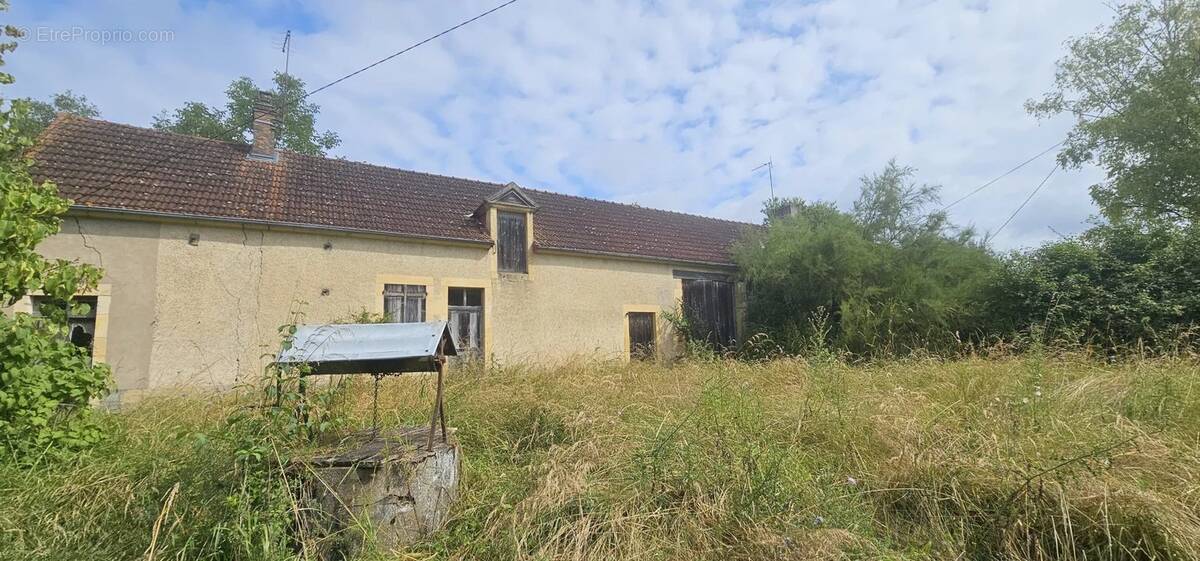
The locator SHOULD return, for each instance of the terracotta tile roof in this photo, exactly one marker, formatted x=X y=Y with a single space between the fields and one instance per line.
x=120 y=167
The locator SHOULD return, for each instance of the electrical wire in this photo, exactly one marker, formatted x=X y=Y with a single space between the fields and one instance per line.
x=242 y=126
x=1023 y=203
x=1001 y=176
x=408 y=48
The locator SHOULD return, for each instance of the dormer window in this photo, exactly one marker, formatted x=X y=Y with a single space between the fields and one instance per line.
x=509 y=214
x=511 y=242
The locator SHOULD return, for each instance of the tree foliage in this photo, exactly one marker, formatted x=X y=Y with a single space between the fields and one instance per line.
x=39 y=114
x=889 y=277
x=1134 y=90
x=1115 y=286
x=46 y=383
x=891 y=207
x=295 y=117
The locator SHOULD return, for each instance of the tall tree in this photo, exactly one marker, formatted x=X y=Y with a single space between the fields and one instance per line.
x=38 y=114
x=1133 y=88
x=888 y=277
x=296 y=118
x=891 y=206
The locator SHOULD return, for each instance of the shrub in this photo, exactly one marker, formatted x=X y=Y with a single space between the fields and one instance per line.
x=1122 y=287
x=887 y=279
x=46 y=384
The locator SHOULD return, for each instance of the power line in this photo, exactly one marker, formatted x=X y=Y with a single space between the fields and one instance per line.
x=1023 y=203
x=1057 y=233
x=240 y=126
x=408 y=48
x=1001 y=176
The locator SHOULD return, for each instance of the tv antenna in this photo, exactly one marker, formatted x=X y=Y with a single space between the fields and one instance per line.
x=770 y=165
x=287 y=50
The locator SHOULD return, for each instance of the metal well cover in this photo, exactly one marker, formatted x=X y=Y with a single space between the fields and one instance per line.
x=369 y=348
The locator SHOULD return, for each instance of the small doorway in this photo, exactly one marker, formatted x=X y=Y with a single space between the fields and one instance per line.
x=466 y=321
x=641 y=335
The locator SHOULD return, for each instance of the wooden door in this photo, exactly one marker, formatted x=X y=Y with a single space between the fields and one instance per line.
x=708 y=305
x=465 y=316
x=641 y=335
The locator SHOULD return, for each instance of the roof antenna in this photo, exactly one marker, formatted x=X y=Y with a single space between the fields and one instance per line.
x=287 y=50
x=770 y=165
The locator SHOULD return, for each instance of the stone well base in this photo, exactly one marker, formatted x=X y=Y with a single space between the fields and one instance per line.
x=391 y=483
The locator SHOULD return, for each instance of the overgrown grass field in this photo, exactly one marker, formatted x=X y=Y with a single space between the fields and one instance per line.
x=1021 y=458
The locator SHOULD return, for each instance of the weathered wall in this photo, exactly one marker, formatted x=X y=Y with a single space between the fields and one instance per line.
x=221 y=302
x=203 y=315
x=128 y=252
x=570 y=305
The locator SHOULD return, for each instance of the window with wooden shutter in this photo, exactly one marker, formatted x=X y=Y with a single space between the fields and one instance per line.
x=404 y=303
x=511 y=242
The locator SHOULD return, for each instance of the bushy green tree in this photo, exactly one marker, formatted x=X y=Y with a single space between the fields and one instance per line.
x=1121 y=287
x=802 y=267
x=39 y=114
x=891 y=277
x=295 y=125
x=1133 y=88
x=46 y=383
x=1133 y=282
x=892 y=208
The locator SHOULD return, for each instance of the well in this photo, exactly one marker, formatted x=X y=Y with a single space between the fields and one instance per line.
x=395 y=485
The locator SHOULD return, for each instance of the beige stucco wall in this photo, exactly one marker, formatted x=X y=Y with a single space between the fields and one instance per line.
x=128 y=252
x=221 y=302
x=204 y=315
x=571 y=305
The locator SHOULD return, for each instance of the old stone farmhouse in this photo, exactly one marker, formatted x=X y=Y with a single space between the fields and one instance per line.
x=208 y=247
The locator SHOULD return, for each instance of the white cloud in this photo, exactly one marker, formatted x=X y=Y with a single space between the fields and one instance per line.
x=667 y=104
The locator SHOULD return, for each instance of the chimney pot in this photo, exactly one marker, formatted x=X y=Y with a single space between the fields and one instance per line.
x=263 y=144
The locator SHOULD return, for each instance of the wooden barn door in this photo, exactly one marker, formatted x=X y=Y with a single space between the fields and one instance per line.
x=708 y=305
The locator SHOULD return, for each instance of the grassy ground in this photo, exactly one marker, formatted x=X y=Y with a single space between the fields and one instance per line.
x=1024 y=458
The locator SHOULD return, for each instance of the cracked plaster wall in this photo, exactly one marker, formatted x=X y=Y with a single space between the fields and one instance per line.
x=128 y=252
x=202 y=316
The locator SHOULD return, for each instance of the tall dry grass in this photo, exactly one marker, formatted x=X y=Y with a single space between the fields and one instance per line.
x=1018 y=458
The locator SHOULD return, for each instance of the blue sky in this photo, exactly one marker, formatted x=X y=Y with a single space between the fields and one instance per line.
x=668 y=104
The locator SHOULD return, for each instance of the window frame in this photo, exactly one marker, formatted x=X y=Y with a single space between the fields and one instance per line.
x=89 y=322
x=463 y=306
x=406 y=295
x=466 y=292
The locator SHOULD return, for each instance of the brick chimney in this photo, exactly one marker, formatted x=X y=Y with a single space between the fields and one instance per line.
x=263 y=146
x=784 y=210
